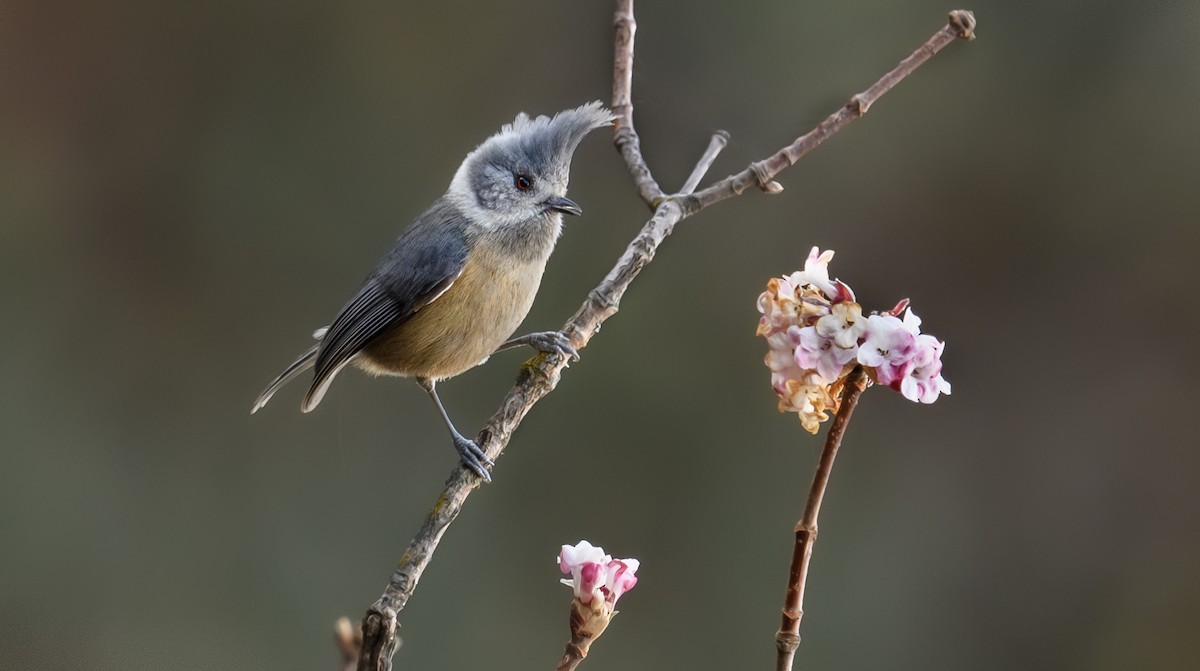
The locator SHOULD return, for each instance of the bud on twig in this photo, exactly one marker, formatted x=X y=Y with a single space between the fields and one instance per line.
x=598 y=581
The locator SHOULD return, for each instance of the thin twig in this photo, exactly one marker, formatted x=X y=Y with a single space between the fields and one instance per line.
x=541 y=374
x=626 y=138
x=787 y=639
x=960 y=24
x=715 y=145
x=348 y=639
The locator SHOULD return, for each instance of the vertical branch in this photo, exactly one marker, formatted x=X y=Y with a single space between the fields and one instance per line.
x=625 y=137
x=787 y=639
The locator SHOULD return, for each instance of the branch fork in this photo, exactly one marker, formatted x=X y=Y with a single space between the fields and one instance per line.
x=379 y=626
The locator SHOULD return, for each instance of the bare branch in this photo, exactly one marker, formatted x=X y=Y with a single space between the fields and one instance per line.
x=541 y=374
x=715 y=145
x=960 y=25
x=787 y=639
x=625 y=137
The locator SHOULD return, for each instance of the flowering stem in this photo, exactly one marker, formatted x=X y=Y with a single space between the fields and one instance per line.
x=570 y=659
x=787 y=639
x=587 y=623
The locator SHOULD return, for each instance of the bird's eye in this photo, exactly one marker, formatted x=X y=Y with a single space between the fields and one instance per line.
x=523 y=182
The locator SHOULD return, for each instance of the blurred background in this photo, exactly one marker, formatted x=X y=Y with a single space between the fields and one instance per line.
x=188 y=189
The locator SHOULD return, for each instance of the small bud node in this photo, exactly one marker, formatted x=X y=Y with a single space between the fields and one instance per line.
x=859 y=105
x=963 y=22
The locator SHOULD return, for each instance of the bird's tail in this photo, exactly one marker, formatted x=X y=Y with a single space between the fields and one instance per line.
x=302 y=364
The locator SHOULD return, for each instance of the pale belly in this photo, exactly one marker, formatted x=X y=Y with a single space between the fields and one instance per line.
x=460 y=329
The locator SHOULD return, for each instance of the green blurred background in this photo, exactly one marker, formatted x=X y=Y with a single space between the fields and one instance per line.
x=188 y=189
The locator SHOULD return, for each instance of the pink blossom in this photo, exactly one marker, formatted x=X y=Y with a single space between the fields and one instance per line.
x=620 y=578
x=816 y=272
x=924 y=381
x=814 y=352
x=595 y=574
x=586 y=564
x=573 y=556
x=844 y=293
x=781 y=357
x=887 y=348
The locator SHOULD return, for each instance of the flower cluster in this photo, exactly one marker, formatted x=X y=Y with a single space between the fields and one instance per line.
x=816 y=333
x=598 y=581
x=595 y=575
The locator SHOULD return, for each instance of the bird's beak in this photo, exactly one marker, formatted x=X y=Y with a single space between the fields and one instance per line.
x=564 y=205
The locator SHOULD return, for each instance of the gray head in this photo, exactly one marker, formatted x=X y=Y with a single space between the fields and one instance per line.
x=521 y=173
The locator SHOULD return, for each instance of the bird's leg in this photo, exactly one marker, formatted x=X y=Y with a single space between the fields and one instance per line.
x=544 y=341
x=472 y=457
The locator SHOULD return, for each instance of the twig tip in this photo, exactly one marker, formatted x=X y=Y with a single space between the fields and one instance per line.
x=348 y=637
x=963 y=22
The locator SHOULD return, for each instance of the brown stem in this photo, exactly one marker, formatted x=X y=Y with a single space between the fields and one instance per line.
x=541 y=374
x=787 y=639
x=570 y=659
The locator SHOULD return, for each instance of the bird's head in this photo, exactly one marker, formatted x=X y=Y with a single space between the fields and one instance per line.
x=521 y=173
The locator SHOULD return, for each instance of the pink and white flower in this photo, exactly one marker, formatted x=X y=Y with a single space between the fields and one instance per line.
x=844 y=325
x=620 y=578
x=816 y=331
x=816 y=272
x=781 y=357
x=819 y=353
x=887 y=348
x=596 y=575
x=924 y=381
x=598 y=581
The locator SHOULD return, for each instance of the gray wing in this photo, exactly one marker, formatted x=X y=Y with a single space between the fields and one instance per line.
x=425 y=261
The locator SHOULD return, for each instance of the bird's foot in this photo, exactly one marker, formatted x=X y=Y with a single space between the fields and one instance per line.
x=472 y=456
x=550 y=342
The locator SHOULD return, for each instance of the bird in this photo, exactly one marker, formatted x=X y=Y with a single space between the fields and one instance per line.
x=462 y=276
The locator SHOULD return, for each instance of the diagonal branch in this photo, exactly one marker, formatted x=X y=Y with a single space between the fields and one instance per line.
x=541 y=374
x=715 y=145
x=960 y=24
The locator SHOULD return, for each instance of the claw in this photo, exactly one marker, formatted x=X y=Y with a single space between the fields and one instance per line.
x=549 y=342
x=473 y=457
x=553 y=342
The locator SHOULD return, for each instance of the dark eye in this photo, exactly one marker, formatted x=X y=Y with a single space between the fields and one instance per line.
x=523 y=182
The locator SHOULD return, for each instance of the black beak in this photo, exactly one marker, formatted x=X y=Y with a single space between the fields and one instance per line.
x=564 y=205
